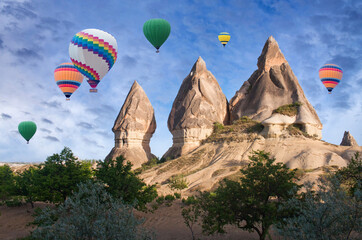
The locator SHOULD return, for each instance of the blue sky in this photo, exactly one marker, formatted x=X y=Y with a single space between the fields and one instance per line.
x=35 y=35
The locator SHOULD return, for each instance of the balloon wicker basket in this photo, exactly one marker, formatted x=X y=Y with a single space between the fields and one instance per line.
x=67 y=99
x=93 y=90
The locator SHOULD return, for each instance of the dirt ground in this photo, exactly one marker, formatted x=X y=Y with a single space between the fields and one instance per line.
x=166 y=222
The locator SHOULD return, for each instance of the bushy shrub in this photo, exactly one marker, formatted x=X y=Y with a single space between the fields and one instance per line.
x=58 y=177
x=326 y=213
x=178 y=182
x=122 y=182
x=7 y=182
x=90 y=213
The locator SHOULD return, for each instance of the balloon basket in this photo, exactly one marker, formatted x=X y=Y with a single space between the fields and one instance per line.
x=93 y=90
x=157 y=51
x=27 y=142
x=67 y=99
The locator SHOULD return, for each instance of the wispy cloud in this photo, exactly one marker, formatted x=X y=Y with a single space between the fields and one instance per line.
x=5 y=116
x=51 y=138
x=47 y=121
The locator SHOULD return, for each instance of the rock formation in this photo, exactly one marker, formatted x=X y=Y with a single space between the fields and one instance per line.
x=199 y=103
x=271 y=86
x=348 y=140
x=134 y=127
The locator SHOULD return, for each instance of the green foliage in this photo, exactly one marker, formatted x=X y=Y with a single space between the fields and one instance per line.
x=326 y=213
x=177 y=195
x=160 y=200
x=191 y=213
x=122 y=182
x=217 y=127
x=170 y=197
x=253 y=203
x=7 y=182
x=178 y=182
x=351 y=176
x=289 y=109
x=25 y=184
x=15 y=201
x=90 y=213
x=150 y=164
x=57 y=178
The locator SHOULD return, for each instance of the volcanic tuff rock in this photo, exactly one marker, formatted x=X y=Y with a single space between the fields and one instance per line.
x=134 y=127
x=271 y=86
x=199 y=103
x=348 y=140
x=204 y=167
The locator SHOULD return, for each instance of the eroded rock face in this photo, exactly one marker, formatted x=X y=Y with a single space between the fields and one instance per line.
x=348 y=140
x=273 y=85
x=134 y=128
x=199 y=103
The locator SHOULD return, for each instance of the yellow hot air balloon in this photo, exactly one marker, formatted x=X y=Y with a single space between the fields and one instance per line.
x=224 y=38
x=68 y=78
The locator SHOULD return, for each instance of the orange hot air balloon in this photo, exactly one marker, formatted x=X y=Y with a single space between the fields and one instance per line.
x=330 y=75
x=68 y=78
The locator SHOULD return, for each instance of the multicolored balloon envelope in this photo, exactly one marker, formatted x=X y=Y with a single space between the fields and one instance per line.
x=224 y=38
x=27 y=129
x=156 y=31
x=93 y=52
x=68 y=78
x=330 y=75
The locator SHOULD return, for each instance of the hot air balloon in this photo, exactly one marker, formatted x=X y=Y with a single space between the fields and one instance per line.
x=156 y=31
x=93 y=52
x=224 y=38
x=68 y=78
x=27 y=129
x=330 y=75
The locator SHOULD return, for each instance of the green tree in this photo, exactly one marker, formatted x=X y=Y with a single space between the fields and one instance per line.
x=25 y=184
x=7 y=182
x=351 y=176
x=328 y=213
x=122 y=182
x=58 y=177
x=90 y=213
x=252 y=204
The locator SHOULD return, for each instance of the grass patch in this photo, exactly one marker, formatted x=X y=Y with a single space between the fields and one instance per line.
x=236 y=132
x=289 y=109
x=178 y=182
x=297 y=129
x=182 y=161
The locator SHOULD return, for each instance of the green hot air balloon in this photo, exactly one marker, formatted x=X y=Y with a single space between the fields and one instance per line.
x=27 y=129
x=157 y=31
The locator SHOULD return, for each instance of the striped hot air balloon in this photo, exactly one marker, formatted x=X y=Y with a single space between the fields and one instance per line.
x=68 y=78
x=330 y=75
x=93 y=52
x=224 y=38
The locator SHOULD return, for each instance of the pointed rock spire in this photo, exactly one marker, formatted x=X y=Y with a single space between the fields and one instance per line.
x=271 y=86
x=134 y=128
x=348 y=140
x=271 y=55
x=199 y=103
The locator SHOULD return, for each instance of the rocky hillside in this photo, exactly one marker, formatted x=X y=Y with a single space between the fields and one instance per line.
x=226 y=151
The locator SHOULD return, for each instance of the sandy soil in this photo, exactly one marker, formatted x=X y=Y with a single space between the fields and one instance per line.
x=166 y=222
x=14 y=220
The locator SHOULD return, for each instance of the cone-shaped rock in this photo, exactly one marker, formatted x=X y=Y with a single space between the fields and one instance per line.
x=134 y=128
x=271 y=86
x=199 y=103
x=348 y=140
